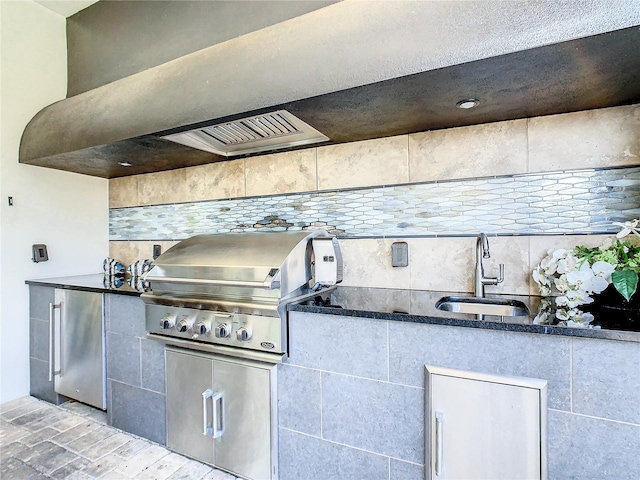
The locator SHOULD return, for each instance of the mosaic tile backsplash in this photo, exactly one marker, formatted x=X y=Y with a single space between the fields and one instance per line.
x=579 y=201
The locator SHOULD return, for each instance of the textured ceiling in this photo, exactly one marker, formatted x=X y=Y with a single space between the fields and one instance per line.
x=356 y=70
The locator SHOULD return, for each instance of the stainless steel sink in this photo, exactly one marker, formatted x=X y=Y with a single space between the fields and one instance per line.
x=483 y=306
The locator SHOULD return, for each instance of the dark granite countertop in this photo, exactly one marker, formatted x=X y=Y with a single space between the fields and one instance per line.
x=93 y=283
x=419 y=306
x=384 y=304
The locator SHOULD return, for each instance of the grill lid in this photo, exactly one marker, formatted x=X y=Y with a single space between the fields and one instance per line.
x=266 y=261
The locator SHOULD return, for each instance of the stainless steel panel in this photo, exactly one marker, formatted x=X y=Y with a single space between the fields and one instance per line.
x=80 y=354
x=245 y=446
x=245 y=354
x=484 y=426
x=222 y=411
x=188 y=377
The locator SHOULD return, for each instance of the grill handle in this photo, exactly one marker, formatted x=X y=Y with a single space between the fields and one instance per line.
x=201 y=281
x=212 y=427
x=207 y=430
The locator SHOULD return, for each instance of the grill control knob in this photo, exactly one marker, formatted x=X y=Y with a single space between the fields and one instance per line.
x=243 y=334
x=203 y=328
x=166 y=322
x=223 y=330
x=183 y=325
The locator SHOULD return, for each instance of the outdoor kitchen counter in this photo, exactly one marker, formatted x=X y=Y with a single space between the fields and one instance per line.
x=90 y=283
x=417 y=306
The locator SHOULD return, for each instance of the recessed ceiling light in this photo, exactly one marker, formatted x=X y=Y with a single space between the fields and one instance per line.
x=468 y=103
x=125 y=164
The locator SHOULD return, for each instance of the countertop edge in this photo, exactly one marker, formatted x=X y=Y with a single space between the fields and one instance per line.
x=81 y=283
x=84 y=288
x=619 y=335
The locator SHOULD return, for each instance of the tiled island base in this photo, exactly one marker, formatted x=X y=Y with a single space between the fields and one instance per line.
x=72 y=441
x=351 y=396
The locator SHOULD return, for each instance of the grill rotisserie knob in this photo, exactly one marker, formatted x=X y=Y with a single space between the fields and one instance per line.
x=243 y=334
x=183 y=325
x=166 y=322
x=203 y=328
x=223 y=330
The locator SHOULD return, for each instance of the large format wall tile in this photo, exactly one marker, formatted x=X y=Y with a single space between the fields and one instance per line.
x=138 y=411
x=356 y=412
x=442 y=264
x=382 y=161
x=598 y=368
x=123 y=191
x=152 y=371
x=477 y=151
x=215 y=180
x=606 y=137
x=305 y=457
x=354 y=346
x=299 y=399
x=123 y=358
x=125 y=252
x=162 y=187
x=405 y=471
x=125 y=315
x=281 y=173
x=610 y=453
x=371 y=260
x=412 y=346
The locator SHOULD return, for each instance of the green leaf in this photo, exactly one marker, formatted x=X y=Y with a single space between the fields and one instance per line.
x=626 y=282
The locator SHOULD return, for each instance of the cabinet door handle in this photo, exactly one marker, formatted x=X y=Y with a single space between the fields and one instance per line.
x=439 y=452
x=207 y=430
x=52 y=342
x=218 y=415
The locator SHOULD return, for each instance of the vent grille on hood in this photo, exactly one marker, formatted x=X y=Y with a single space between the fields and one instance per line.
x=250 y=135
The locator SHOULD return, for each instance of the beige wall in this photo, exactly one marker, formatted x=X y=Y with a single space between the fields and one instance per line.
x=66 y=211
x=598 y=138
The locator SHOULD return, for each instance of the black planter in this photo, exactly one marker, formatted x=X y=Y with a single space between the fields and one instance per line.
x=611 y=310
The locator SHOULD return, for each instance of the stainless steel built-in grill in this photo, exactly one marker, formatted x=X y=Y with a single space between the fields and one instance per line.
x=226 y=296
x=220 y=292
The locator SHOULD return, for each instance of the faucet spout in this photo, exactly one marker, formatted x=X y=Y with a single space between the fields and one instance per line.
x=482 y=251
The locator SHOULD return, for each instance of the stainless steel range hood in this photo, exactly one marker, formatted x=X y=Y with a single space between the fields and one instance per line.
x=352 y=71
x=255 y=134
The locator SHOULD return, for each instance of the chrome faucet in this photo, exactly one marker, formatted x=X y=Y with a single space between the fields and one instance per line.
x=482 y=250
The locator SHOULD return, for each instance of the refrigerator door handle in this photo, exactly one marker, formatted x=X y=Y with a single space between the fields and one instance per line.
x=439 y=446
x=52 y=340
x=218 y=415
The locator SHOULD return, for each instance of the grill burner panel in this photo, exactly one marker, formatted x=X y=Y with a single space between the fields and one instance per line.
x=234 y=330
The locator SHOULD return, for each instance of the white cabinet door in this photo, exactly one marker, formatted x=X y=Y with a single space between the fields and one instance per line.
x=484 y=426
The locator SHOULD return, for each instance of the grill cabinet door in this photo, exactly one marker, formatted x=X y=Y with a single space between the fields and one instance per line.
x=188 y=377
x=483 y=427
x=244 y=446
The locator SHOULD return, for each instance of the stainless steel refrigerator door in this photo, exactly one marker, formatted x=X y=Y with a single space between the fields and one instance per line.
x=79 y=347
x=188 y=377
x=245 y=416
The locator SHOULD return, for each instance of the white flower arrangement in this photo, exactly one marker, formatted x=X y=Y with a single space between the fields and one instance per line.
x=574 y=275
